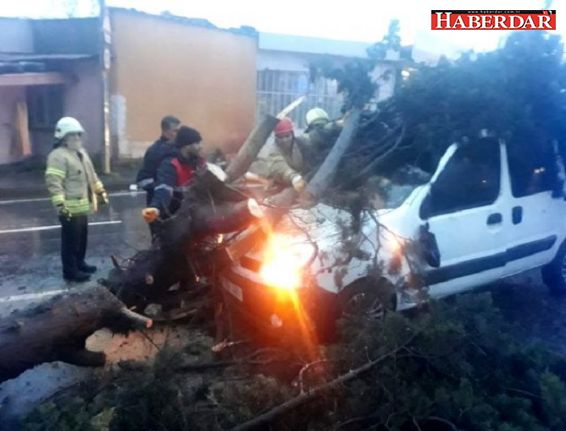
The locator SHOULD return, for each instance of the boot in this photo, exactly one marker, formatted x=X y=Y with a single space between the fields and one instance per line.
x=78 y=276
x=85 y=267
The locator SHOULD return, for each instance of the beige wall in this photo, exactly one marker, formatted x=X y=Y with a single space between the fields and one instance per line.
x=206 y=77
x=83 y=100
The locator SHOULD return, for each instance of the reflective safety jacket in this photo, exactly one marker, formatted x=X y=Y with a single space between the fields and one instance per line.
x=173 y=178
x=72 y=181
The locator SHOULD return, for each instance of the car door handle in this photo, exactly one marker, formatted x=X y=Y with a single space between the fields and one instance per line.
x=517 y=215
x=495 y=218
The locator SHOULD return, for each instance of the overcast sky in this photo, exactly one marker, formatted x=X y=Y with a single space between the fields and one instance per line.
x=359 y=20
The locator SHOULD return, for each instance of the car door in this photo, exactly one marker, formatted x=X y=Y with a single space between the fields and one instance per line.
x=535 y=208
x=464 y=211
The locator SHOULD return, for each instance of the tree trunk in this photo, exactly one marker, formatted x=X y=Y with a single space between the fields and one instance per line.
x=323 y=177
x=57 y=330
x=249 y=151
x=278 y=206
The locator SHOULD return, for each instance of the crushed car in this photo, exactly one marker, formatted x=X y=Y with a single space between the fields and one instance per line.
x=484 y=215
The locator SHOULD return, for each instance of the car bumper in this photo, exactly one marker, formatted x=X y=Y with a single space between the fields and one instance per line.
x=279 y=312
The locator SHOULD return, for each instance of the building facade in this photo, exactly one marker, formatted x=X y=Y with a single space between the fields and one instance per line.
x=188 y=68
x=47 y=69
x=141 y=67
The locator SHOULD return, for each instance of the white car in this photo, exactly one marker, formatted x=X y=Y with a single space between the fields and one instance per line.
x=486 y=214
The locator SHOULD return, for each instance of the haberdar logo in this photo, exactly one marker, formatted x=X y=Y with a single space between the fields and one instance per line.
x=493 y=20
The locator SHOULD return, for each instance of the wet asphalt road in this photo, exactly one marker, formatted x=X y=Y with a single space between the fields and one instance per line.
x=30 y=243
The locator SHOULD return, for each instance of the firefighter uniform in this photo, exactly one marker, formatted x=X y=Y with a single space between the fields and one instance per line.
x=74 y=188
x=297 y=157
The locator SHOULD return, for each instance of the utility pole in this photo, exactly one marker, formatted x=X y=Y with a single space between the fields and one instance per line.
x=105 y=60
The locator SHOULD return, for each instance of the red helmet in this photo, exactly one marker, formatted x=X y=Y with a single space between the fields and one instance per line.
x=284 y=126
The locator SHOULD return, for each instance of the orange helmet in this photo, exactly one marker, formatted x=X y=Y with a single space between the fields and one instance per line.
x=285 y=125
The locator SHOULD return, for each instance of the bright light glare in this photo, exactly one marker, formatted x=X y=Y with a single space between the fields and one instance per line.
x=283 y=262
x=395 y=244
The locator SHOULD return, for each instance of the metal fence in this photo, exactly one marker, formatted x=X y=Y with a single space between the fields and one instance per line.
x=277 y=89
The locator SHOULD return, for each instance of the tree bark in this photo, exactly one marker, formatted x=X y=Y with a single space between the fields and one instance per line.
x=57 y=330
x=249 y=151
x=323 y=177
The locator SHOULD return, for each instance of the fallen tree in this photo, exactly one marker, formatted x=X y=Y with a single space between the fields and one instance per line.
x=515 y=93
x=458 y=366
x=458 y=372
x=187 y=246
x=56 y=330
x=499 y=92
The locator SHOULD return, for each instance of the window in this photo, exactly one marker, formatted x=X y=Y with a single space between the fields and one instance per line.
x=470 y=179
x=277 y=88
x=530 y=172
x=45 y=106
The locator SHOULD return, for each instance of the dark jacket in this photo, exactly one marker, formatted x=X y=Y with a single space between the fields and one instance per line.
x=169 y=186
x=155 y=154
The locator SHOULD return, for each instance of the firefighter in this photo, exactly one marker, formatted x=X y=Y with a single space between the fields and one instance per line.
x=174 y=174
x=286 y=166
x=75 y=189
x=156 y=153
x=297 y=157
x=316 y=117
x=321 y=131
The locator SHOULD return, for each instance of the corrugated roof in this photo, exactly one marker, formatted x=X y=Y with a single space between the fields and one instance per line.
x=312 y=45
x=196 y=22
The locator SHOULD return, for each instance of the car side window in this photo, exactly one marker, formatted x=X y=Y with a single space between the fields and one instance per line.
x=470 y=179
x=532 y=174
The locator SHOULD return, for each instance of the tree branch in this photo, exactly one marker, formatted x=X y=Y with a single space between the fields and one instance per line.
x=303 y=398
x=374 y=163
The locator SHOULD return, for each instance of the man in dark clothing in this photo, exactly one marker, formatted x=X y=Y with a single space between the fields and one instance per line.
x=174 y=174
x=156 y=153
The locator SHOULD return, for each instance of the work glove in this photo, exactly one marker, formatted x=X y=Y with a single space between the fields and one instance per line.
x=64 y=212
x=150 y=214
x=299 y=184
x=104 y=197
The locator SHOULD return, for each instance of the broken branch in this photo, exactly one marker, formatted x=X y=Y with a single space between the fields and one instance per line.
x=137 y=318
x=305 y=397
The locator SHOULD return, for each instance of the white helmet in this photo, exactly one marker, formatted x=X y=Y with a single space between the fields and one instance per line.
x=316 y=115
x=67 y=125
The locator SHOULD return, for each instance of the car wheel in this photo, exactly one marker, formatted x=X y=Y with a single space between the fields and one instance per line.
x=368 y=298
x=554 y=274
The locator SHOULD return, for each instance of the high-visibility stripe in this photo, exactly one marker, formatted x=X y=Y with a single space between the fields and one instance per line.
x=82 y=209
x=144 y=183
x=164 y=186
x=76 y=206
x=77 y=202
x=57 y=199
x=55 y=171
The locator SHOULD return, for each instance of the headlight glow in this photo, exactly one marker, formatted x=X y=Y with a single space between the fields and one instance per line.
x=284 y=260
